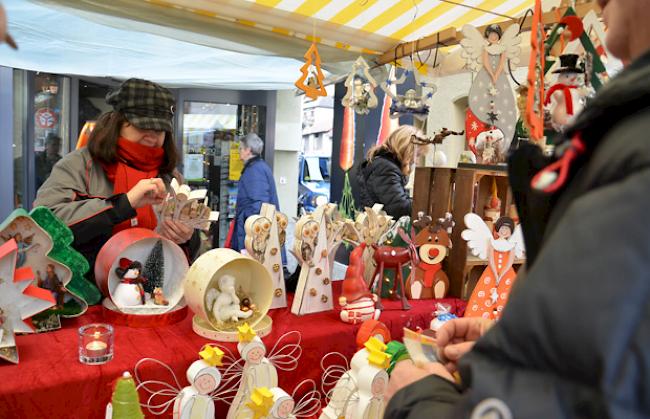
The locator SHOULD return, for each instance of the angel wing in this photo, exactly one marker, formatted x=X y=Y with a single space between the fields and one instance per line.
x=477 y=235
x=162 y=394
x=517 y=240
x=230 y=376
x=511 y=40
x=309 y=404
x=284 y=356
x=333 y=372
x=473 y=44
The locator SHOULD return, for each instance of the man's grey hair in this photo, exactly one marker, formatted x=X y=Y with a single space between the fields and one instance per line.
x=253 y=142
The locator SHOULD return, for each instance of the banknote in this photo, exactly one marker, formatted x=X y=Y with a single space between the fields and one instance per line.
x=421 y=348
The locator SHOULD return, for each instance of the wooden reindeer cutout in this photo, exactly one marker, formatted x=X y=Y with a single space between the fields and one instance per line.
x=314 y=290
x=427 y=279
x=388 y=257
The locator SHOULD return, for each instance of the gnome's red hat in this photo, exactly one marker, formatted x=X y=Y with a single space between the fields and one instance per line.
x=354 y=286
x=125 y=263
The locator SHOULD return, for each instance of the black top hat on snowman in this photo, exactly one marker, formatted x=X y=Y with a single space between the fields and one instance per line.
x=569 y=64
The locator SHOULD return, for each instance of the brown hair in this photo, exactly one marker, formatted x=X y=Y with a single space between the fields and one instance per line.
x=102 y=143
x=399 y=143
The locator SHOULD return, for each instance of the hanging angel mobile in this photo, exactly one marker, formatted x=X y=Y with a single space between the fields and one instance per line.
x=410 y=103
x=207 y=384
x=500 y=250
x=275 y=403
x=360 y=94
x=258 y=369
x=491 y=98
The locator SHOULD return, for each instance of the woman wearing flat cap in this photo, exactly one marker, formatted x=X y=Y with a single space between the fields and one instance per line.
x=111 y=184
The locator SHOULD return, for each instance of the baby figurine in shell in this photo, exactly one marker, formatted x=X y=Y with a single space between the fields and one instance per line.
x=359 y=388
x=491 y=98
x=275 y=403
x=500 y=250
x=360 y=94
x=260 y=370
x=224 y=304
x=207 y=384
x=258 y=230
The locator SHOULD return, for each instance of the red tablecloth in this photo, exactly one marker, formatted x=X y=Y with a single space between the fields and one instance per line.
x=50 y=382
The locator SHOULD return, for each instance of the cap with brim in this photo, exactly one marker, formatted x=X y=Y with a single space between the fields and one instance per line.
x=145 y=104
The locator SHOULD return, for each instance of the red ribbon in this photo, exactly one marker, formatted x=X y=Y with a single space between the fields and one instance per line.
x=430 y=272
x=562 y=165
x=566 y=89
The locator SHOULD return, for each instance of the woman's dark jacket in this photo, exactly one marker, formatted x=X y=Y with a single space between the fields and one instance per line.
x=381 y=182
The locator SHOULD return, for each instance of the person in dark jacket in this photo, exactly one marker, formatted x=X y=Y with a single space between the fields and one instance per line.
x=256 y=186
x=382 y=177
x=572 y=340
x=113 y=183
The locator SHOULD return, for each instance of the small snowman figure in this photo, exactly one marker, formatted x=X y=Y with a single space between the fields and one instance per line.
x=129 y=292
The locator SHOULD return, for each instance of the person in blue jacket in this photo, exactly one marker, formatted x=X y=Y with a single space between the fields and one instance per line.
x=256 y=187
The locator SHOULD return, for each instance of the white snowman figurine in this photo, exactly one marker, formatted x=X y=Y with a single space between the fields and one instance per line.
x=195 y=401
x=129 y=292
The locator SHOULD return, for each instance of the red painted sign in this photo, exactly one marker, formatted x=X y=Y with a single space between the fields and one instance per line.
x=45 y=118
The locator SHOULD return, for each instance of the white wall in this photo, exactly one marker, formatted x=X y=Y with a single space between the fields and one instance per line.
x=288 y=138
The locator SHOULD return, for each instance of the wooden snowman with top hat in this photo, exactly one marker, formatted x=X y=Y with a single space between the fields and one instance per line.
x=566 y=98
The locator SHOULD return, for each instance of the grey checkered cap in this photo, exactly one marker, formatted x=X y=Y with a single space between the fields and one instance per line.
x=145 y=104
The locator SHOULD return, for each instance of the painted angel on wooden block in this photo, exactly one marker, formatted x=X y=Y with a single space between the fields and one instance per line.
x=491 y=97
x=500 y=250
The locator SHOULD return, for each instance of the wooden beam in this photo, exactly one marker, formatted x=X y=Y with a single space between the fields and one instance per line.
x=452 y=36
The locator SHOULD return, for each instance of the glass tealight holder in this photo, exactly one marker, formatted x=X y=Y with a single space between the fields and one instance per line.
x=95 y=343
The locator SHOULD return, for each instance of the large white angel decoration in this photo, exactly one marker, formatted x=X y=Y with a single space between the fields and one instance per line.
x=491 y=98
x=275 y=403
x=260 y=370
x=207 y=384
x=500 y=250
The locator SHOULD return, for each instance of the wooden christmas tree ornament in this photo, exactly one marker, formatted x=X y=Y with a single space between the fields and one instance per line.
x=311 y=81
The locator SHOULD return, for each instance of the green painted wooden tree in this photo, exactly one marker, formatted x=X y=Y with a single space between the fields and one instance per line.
x=125 y=400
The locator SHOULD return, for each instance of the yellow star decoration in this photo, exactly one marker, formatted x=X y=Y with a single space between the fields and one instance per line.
x=376 y=353
x=212 y=355
x=246 y=333
x=374 y=344
x=261 y=402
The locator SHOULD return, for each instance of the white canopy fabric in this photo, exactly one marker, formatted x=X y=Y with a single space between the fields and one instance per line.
x=54 y=40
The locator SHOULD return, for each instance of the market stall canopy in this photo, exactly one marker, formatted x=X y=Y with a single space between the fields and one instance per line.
x=56 y=41
x=343 y=28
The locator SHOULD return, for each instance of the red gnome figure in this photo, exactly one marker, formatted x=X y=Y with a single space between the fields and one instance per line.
x=357 y=303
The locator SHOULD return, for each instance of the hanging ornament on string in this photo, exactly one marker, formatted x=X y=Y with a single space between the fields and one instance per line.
x=346 y=161
x=536 y=67
x=311 y=81
x=360 y=85
x=410 y=103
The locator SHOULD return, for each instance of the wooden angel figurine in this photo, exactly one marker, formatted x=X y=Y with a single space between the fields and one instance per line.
x=275 y=403
x=224 y=302
x=491 y=98
x=260 y=370
x=130 y=291
x=258 y=229
x=195 y=401
x=500 y=250
x=360 y=94
x=373 y=382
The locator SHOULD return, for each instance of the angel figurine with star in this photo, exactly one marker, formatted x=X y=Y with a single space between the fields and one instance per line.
x=275 y=403
x=491 y=98
x=207 y=384
x=259 y=367
x=500 y=249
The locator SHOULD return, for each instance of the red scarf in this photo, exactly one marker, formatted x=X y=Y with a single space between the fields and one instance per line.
x=134 y=163
x=566 y=89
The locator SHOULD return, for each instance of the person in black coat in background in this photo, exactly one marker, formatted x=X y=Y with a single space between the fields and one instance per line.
x=382 y=177
x=573 y=340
